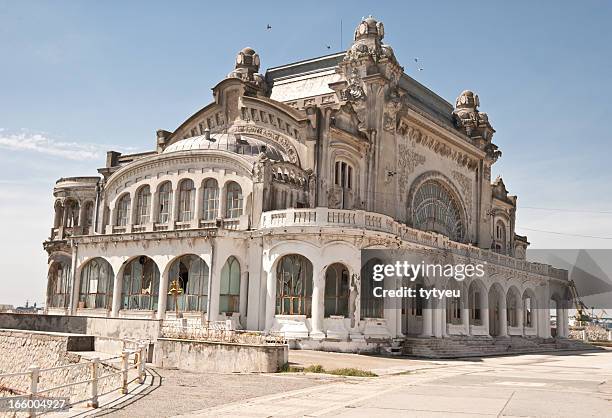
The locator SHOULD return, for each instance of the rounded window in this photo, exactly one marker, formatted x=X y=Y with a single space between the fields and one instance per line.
x=435 y=209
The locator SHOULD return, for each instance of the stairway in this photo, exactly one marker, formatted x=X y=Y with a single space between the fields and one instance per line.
x=476 y=346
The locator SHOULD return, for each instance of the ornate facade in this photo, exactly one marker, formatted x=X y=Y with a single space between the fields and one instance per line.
x=260 y=203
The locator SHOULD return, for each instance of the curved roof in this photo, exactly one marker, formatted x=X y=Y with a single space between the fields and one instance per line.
x=238 y=144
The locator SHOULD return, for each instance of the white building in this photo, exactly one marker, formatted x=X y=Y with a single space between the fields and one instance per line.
x=261 y=201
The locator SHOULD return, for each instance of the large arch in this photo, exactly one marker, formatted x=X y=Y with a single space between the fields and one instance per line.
x=294 y=283
x=58 y=284
x=371 y=306
x=436 y=205
x=530 y=307
x=192 y=274
x=96 y=284
x=477 y=301
x=140 y=284
x=497 y=306
x=229 y=286
x=337 y=290
x=514 y=307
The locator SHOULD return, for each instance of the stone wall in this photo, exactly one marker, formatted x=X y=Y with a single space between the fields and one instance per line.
x=21 y=349
x=219 y=357
x=124 y=328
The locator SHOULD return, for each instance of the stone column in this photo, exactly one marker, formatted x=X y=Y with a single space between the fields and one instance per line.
x=162 y=299
x=222 y=202
x=74 y=282
x=270 y=297
x=465 y=316
x=559 y=319
x=427 y=320
x=484 y=315
x=197 y=207
x=436 y=319
x=566 y=332
x=117 y=289
x=519 y=316
x=244 y=294
x=503 y=318
x=318 y=308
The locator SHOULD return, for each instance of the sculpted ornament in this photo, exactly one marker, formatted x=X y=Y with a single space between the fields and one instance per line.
x=407 y=161
x=354 y=91
x=466 y=188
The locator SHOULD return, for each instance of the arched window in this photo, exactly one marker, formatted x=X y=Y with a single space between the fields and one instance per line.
x=59 y=214
x=343 y=175
x=293 y=285
x=140 y=284
x=229 y=299
x=337 y=290
x=143 y=205
x=233 y=198
x=72 y=213
x=453 y=305
x=371 y=306
x=512 y=308
x=88 y=214
x=475 y=295
x=192 y=273
x=123 y=210
x=58 y=288
x=435 y=209
x=500 y=237
x=165 y=202
x=186 y=200
x=96 y=290
x=211 y=200
x=528 y=308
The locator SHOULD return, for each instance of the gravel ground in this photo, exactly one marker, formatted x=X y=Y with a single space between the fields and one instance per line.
x=176 y=391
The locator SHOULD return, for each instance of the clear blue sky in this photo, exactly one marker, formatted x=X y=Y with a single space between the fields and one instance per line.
x=78 y=78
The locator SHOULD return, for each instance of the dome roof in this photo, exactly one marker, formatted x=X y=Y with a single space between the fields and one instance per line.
x=239 y=144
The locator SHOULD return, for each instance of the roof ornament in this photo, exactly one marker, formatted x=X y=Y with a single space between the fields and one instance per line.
x=247 y=66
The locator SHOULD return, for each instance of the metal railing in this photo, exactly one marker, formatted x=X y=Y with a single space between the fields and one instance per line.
x=120 y=363
x=218 y=331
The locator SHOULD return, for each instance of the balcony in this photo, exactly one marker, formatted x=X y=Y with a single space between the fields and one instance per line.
x=358 y=219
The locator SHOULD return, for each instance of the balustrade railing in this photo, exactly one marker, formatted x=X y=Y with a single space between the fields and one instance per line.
x=120 y=366
x=384 y=223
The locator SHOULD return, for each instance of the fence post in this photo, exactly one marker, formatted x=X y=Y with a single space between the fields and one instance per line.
x=124 y=371
x=34 y=377
x=94 y=382
x=141 y=364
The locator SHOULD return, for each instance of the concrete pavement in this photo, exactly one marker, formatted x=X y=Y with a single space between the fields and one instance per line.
x=537 y=385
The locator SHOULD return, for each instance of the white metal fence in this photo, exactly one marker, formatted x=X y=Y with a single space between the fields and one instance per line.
x=115 y=369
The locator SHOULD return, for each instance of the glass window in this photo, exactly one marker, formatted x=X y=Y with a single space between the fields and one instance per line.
x=229 y=299
x=293 y=285
x=96 y=290
x=186 y=200
x=211 y=200
x=343 y=174
x=165 y=202
x=234 y=200
x=58 y=289
x=192 y=273
x=435 y=209
x=140 y=284
x=371 y=306
x=123 y=210
x=337 y=290
x=143 y=205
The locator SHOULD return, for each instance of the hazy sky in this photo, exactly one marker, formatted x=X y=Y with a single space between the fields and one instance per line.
x=79 y=78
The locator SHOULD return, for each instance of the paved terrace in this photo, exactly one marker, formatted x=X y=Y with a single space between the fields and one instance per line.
x=538 y=385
